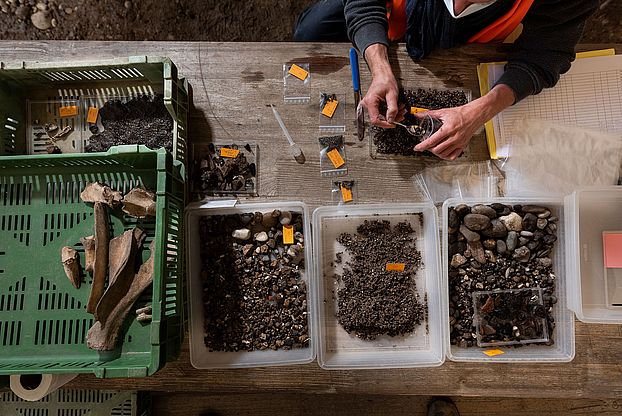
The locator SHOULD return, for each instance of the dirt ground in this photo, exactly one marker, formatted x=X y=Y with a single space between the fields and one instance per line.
x=211 y=20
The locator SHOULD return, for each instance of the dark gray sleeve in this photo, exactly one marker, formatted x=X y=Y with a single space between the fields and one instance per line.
x=546 y=47
x=367 y=22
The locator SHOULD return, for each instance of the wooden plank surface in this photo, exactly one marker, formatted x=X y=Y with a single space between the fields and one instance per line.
x=231 y=85
x=268 y=404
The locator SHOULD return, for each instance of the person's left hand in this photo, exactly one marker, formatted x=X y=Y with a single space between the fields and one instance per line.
x=459 y=125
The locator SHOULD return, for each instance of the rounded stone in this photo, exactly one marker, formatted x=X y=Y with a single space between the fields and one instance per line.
x=484 y=210
x=522 y=254
x=496 y=229
x=41 y=20
x=462 y=210
x=453 y=218
x=468 y=234
x=476 y=222
x=512 y=240
x=541 y=223
x=529 y=222
x=512 y=221
x=501 y=247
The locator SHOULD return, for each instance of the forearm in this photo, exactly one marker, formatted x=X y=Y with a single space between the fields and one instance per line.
x=491 y=104
x=378 y=60
x=366 y=21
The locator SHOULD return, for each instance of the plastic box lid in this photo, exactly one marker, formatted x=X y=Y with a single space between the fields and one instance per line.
x=200 y=356
x=339 y=350
x=589 y=213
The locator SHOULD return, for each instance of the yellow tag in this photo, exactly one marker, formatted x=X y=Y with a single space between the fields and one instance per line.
x=330 y=107
x=346 y=194
x=227 y=152
x=336 y=158
x=415 y=110
x=91 y=116
x=395 y=267
x=492 y=353
x=288 y=234
x=298 y=72
x=71 y=110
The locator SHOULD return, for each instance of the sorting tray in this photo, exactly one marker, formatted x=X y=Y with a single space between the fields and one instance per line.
x=340 y=350
x=200 y=356
x=563 y=349
x=43 y=317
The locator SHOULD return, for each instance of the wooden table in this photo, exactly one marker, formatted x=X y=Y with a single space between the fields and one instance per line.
x=232 y=83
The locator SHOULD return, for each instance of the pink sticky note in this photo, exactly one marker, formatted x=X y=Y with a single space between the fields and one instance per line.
x=612 y=249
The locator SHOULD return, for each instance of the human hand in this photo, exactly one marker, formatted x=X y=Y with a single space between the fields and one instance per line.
x=459 y=125
x=383 y=89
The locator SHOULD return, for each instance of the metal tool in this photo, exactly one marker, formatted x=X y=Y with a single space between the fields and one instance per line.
x=356 y=83
x=294 y=149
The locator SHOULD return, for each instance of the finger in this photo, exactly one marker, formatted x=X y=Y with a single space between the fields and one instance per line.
x=433 y=140
x=456 y=154
x=391 y=106
x=444 y=146
x=400 y=115
x=374 y=115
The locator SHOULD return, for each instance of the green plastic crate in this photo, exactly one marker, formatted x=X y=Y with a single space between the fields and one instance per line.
x=24 y=85
x=43 y=318
x=79 y=403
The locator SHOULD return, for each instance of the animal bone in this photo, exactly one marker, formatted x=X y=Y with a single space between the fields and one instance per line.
x=96 y=192
x=61 y=134
x=89 y=252
x=103 y=337
x=100 y=264
x=122 y=256
x=139 y=203
x=69 y=257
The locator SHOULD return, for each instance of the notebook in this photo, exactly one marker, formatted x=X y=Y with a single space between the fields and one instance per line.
x=589 y=96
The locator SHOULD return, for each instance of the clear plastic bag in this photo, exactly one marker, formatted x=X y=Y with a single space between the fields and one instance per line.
x=460 y=180
x=553 y=159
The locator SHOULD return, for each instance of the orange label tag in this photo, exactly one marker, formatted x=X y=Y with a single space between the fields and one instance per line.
x=227 y=152
x=492 y=353
x=336 y=158
x=329 y=108
x=71 y=110
x=346 y=194
x=91 y=116
x=298 y=72
x=415 y=110
x=288 y=234
x=395 y=267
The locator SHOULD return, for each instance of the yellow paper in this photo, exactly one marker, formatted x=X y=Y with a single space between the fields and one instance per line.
x=68 y=111
x=417 y=110
x=329 y=108
x=397 y=267
x=298 y=72
x=92 y=115
x=335 y=158
x=346 y=194
x=227 y=152
x=288 y=234
x=492 y=353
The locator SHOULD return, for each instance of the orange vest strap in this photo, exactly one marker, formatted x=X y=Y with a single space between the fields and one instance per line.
x=505 y=25
x=396 y=14
x=495 y=32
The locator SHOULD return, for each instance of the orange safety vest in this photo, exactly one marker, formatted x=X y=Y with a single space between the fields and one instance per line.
x=498 y=31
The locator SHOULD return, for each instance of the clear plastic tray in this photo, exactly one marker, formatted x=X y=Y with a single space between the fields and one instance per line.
x=340 y=350
x=200 y=356
x=589 y=213
x=373 y=152
x=563 y=349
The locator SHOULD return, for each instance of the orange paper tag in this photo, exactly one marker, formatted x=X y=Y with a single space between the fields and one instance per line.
x=336 y=158
x=298 y=72
x=346 y=194
x=396 y=267
x=91 y=116
x=288 y=234
x=68 y=111
x=329 y=108
x=227 y=152
x=415 y=110
x=492 y=353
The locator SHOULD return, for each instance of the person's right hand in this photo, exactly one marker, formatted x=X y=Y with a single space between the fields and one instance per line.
x=383 y=88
